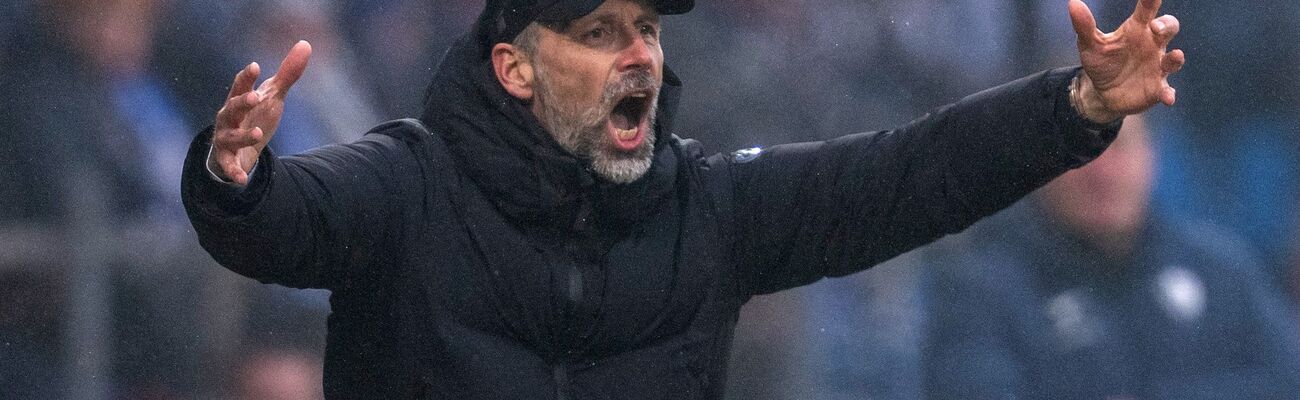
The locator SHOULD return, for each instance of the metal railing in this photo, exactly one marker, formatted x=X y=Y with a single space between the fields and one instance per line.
x=91 y=250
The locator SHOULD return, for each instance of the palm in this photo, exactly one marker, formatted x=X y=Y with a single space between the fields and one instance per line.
x=1129 y=68
x=266 y=115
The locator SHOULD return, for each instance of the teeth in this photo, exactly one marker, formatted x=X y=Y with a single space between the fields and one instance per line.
x=625 y=134
x=638 y=95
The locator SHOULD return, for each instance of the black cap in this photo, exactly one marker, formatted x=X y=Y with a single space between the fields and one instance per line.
x=512 y=16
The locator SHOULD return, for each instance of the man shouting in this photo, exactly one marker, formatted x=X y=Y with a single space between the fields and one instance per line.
x=540 y=232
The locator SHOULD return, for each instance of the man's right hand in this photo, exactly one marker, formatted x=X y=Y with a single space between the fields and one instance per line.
x=248 y=120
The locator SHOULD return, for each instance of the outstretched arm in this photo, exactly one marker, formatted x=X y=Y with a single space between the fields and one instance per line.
x=312 y=220
x=830 y=208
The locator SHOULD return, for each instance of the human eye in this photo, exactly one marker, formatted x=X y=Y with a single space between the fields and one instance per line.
x=596 y=35
x=649 y=30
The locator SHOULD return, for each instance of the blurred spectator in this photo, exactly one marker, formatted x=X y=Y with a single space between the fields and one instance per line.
x=278 y=374
x=1082 y=293
x=91 y=121
x=95 y=104
x=1231 y=155
x=1246 y=179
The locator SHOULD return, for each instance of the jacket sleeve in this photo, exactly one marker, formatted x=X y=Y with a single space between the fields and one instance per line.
x=311 y=220
x=808 y=210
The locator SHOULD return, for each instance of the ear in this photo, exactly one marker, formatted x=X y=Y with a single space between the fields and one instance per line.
x=514 y=70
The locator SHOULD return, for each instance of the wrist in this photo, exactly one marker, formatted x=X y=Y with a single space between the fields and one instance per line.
x=1088 y=103
x=214 y=167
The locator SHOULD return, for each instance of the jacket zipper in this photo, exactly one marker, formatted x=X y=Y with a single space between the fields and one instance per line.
x=575 y=292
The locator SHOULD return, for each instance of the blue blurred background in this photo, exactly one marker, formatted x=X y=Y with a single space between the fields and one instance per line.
x=104 y=293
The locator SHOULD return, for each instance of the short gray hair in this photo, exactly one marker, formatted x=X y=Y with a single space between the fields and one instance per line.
x=527 y=39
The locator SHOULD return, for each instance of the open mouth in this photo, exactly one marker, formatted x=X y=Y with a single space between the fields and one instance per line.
x=629 y=122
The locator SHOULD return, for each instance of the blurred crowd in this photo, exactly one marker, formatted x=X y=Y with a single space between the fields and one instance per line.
x=1168 y=269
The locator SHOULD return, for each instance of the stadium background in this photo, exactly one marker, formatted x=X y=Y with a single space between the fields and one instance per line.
x=105 y=294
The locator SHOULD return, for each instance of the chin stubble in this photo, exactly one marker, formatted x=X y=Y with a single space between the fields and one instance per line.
x=582 y=130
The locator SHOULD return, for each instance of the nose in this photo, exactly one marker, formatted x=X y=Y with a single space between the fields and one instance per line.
x=638 y=54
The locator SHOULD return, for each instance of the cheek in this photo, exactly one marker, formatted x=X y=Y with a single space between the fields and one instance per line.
x=577 y=87
x=659 y=64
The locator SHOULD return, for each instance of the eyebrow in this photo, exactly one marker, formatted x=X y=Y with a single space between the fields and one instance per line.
x=648 y=17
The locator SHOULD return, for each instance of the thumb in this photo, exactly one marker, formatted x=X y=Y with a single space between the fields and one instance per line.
x=1085 y=25
x=293 y=66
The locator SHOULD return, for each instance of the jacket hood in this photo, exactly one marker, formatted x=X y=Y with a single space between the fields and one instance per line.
x=501 y=146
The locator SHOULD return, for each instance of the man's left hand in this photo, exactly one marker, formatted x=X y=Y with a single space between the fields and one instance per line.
x=1126 y=71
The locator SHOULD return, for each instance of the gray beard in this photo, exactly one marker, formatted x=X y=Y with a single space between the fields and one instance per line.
x=582 y=130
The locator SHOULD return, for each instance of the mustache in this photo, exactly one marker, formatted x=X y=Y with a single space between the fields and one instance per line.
x=631 y=82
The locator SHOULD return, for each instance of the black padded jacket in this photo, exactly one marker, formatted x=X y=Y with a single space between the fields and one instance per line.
x=470 y=258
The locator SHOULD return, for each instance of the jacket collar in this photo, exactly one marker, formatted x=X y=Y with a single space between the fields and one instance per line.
x=500 y=145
